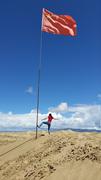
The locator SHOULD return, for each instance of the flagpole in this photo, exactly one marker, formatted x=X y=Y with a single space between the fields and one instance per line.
x=38 y=84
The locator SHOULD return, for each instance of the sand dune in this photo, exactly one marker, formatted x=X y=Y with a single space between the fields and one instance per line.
x=59 y=156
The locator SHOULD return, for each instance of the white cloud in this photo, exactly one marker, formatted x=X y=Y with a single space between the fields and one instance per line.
x=85 y=116
x=63 y=107
x=29 y=90
x=78 y=116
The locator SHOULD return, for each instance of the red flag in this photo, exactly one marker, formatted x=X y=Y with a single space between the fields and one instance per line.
x=58 y=24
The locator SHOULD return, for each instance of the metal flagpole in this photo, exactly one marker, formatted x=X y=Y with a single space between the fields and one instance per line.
x=38 y=83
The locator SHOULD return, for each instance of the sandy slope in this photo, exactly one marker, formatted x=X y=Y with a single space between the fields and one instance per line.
x=59 y=156
x=86 y=170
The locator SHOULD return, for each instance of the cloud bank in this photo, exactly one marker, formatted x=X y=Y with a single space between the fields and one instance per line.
x=78 y=116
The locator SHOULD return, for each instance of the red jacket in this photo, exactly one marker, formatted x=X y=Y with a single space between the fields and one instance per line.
x=50 y=119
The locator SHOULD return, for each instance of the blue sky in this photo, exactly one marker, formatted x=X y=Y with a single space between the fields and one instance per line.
x=70 y=65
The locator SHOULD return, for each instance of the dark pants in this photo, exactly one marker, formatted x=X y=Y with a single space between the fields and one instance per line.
x=46 y=122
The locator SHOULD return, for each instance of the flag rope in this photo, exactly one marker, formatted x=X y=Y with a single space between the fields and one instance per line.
x=15 y=147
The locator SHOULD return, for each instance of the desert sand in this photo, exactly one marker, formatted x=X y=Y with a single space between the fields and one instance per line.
x=63 y=155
